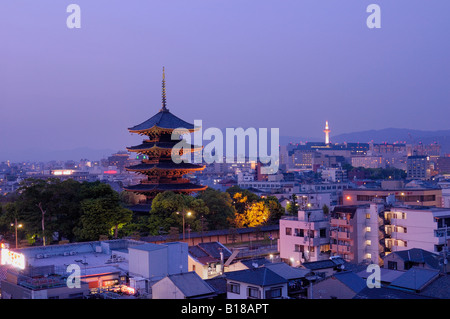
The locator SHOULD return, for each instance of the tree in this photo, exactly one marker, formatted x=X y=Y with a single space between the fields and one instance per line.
x=275 y=208
x=221 y=209
x=292 y=207
x=257 y=214
x=167 y=209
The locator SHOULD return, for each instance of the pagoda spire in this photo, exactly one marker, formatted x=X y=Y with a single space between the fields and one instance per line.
x=164 y=92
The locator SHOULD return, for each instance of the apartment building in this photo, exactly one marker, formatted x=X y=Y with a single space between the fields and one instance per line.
x=407 y=196
x=416 y=227
x=304 y=238
x=355 y=234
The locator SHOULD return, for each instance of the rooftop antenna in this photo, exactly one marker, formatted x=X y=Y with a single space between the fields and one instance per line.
x=164 y=109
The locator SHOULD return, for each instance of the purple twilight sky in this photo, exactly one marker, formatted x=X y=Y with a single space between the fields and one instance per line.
x=289 y=64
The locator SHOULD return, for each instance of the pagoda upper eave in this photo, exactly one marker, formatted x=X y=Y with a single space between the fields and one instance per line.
x=150 y=188
x=165 y=166
x=147 y=147
x=156 y=130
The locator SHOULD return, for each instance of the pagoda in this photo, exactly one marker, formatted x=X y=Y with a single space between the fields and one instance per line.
x=160 y=171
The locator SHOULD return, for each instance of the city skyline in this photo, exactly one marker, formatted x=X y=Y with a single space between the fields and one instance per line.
x=293 y=65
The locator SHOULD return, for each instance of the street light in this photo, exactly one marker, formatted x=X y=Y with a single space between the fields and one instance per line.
x=184 y=213
x=15 y=225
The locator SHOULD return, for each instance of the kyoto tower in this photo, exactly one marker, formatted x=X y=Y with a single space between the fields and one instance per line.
x=327 y=133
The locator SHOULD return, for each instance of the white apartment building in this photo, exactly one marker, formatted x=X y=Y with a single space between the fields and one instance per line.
x=304 y=238
x=334 y=175
x=416 y=227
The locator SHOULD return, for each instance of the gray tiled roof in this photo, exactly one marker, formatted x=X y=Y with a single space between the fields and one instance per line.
x=418 y=255
x=286 y=271
x=256 y=276
x=351 y=280
x=386 y=293
x=163 y=119
x=415 y=278
x=191 y=284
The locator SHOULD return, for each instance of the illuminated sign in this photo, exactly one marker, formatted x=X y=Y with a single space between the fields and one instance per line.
x=9 y=257
x=60 y=172
x=110 y=172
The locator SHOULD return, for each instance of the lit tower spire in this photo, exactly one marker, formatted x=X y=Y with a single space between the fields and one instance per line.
x=164 y=92
x=327 y=133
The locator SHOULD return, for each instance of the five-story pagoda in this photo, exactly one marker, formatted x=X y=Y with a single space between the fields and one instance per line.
x=161 y=172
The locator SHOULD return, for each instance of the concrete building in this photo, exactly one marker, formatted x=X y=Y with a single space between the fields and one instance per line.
x=333 y=189
x=334 y=175
x=150 y=263
x=407 y=196
x=368 y=161
x=418 y=167
x=354 y=232
x=44 y=270
x=304 y=238
x=416 y=227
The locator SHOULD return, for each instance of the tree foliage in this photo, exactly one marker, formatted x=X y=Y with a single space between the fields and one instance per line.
x=68 y=209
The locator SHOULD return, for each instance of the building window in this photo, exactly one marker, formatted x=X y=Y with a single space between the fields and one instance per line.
x=288 y=231
x=274 y=293
x=392 y=265
x=234 y=288
x=367 y=216
x=368 y=229
x=323 y=233
x=325 y=248
x=298 y=232
x=253 y=293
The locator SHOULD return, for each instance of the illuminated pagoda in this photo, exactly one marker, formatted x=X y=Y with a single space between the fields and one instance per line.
x=161 y=172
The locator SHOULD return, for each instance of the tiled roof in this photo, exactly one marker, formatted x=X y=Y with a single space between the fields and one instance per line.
x=415 y=278
x=191 y=284
x=164 y=165
x=261 y=276
x=163 y=119
x=421 y=256
x=351 y=280
x=164 y=187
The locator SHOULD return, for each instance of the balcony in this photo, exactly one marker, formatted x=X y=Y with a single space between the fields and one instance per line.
x=340 y=222
x=335 y=248
x=341 y=235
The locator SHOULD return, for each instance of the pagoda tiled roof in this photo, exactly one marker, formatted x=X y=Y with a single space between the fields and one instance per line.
x=165 y=165
x=149 y=145
x=163 y=119
x=165 y=187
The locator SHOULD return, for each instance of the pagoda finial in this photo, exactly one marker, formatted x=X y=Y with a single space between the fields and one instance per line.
x=164 y=92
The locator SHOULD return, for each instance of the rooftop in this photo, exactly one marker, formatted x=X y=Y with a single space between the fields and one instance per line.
x=415 y=279
x=191 y=284
x=163 y=119
x=261 y=276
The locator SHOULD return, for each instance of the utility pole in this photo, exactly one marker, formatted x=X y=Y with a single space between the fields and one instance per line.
x=445 y=250
x=43 y=226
